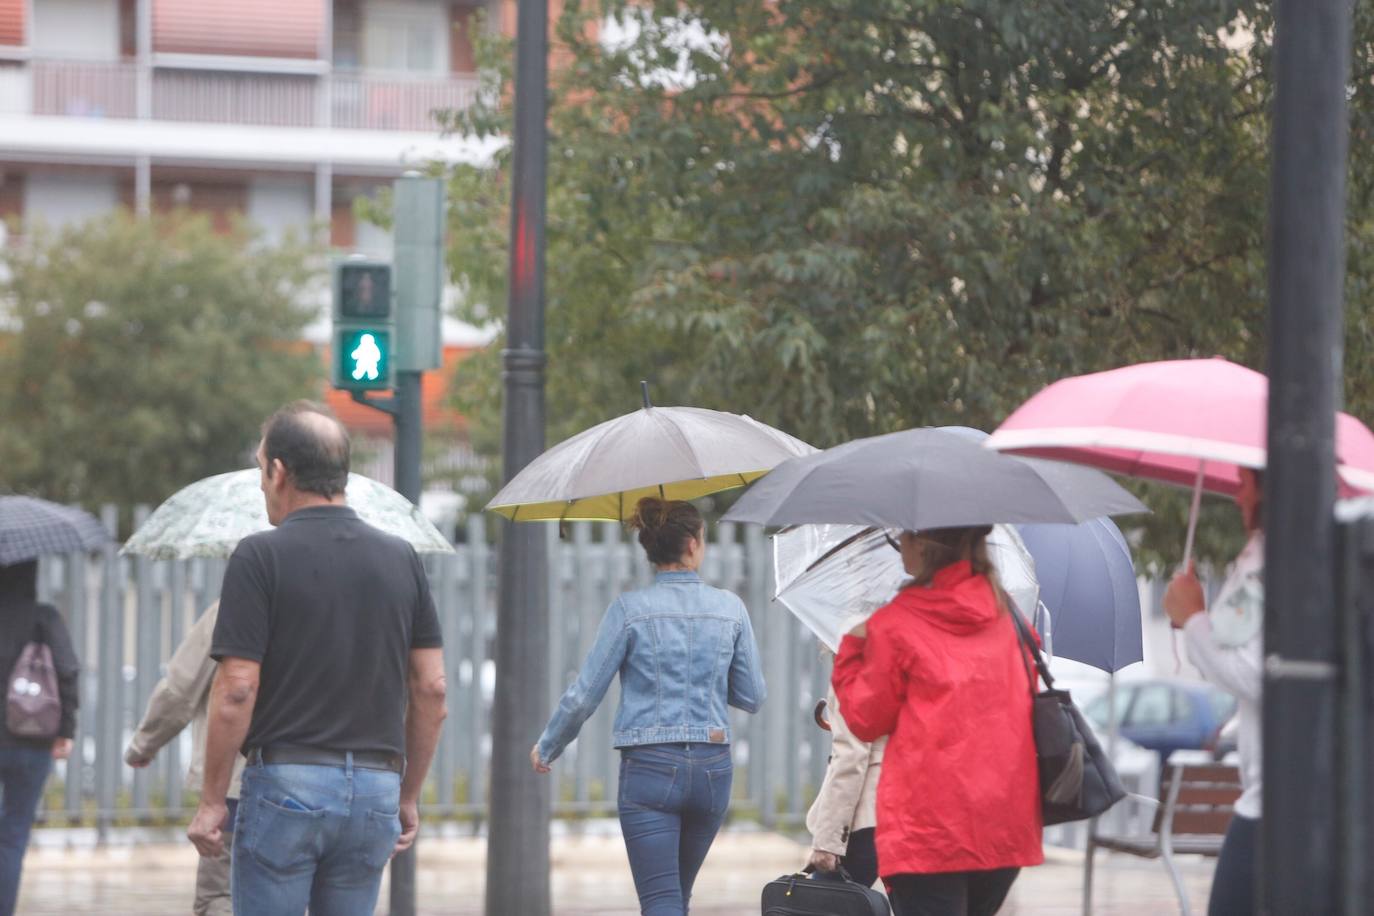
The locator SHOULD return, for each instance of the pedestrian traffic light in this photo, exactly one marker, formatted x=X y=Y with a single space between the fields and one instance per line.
x=364 y=332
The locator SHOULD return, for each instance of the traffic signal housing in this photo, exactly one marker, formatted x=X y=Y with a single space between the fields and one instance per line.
x=364 y=332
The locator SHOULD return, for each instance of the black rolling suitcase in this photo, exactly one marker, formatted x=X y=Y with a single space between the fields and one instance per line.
x=822 y=894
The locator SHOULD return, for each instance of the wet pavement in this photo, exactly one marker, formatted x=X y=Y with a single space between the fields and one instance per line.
x=590 y=876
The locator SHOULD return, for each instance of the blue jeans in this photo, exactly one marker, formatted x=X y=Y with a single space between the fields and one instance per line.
x=673 y=799
x=316 y=836
x=23 y=771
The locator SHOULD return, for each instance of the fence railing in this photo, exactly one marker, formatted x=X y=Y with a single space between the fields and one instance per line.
x=348 y=100
x=127 y=615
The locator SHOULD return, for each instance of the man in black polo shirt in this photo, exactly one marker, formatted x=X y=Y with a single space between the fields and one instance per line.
x=331 y=683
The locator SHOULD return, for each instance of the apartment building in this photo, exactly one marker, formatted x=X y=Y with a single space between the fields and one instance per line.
x=279 y=111
x=283 y=111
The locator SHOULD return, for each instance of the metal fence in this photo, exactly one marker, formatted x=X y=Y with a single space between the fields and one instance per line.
x=127 y=615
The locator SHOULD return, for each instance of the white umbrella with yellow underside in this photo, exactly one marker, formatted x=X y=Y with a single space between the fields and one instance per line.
x=668 y=452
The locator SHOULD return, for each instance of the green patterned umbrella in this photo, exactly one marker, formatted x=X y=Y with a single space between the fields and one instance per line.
x=209 y=517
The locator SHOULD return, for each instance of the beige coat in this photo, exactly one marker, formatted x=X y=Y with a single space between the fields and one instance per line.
x=848 y=796
x=182 y=698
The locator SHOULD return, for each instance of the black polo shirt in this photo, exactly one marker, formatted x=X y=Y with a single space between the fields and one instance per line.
x=331 y=608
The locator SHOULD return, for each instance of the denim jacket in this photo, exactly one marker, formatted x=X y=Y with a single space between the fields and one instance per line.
x=684 y=651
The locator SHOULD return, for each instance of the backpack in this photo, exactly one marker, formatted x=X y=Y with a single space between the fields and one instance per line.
x=33 y=708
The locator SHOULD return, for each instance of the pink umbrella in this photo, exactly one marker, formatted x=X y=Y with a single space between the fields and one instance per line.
x=1189 y=422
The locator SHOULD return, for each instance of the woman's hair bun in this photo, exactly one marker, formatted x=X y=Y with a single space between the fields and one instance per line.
x=665 y=526
x=650 y=513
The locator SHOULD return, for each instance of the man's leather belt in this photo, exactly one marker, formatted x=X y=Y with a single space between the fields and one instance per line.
x=322 y=757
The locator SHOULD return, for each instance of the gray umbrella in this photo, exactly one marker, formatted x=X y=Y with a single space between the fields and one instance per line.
x=31 y=528
x=927 y=478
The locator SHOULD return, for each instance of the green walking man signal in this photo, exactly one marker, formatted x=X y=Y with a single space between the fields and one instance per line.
x=364 y=326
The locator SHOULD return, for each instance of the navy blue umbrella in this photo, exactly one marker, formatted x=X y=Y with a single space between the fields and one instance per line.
x=1087 y=580
x=31 y=528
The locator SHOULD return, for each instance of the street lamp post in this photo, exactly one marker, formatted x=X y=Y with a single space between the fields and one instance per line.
x=1298 y=855
x=518 y=842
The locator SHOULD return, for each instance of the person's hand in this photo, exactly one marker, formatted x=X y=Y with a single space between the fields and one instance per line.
x=537 y=762
x=207 y=828
x=824 y=861
x=1184 y=598
x=410 y=826
x=61 y=748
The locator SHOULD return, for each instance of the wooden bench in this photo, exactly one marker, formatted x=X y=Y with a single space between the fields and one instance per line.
x=1198 y=803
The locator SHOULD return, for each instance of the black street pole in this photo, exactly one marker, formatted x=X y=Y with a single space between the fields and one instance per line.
x=408 y=435
x=407 y=455
x=518 y=839
x=1298 y=856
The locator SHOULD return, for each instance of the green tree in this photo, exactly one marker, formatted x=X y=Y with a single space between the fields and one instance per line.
x=140 y=355
x=852 y=216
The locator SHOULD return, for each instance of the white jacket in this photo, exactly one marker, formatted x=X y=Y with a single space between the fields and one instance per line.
x=848 y=797
x=1227 y=646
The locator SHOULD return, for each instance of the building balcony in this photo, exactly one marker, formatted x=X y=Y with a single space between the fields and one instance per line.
x=183 y=94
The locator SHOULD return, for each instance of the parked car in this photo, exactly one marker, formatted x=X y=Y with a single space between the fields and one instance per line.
x=1226 y=741
x=1166 y=715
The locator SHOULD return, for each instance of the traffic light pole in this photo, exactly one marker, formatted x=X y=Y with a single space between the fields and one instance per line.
x=407 y=458
x=405 y=409
x=1299 y=856
x=409 y=436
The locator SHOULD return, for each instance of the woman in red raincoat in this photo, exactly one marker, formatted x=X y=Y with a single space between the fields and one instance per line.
x=941 y=670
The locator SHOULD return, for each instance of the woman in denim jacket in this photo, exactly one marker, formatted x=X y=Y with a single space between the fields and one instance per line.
x=685 y=651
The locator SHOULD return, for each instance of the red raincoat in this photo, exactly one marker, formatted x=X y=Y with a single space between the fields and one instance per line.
x=941 y=672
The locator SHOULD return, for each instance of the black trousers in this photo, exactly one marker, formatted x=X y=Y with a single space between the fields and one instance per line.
x=1233 y=883
x=955 y=893
x=861 y=857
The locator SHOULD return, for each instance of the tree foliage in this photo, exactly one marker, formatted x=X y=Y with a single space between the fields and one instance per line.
x=140 y=355
x=846 y=217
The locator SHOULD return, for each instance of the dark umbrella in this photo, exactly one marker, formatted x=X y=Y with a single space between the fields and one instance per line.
x=31 y=528
x=927 y=478
x=1087 y=581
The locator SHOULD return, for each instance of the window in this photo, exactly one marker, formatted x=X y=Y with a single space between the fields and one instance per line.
x=1223 y=705
x=1153 y=706
x=402 y=43
x=1096 y=710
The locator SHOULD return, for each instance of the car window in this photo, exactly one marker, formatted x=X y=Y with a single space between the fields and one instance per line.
x=1096 y=711
x=1096 y=708
x=1153 y=706
x=1223 y=704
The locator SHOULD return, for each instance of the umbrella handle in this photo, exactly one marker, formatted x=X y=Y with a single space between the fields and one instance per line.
x=1188 y=550
x=1192 y=516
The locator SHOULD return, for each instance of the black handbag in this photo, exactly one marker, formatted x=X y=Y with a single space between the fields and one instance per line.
x=1077 y=781
x=822 y=894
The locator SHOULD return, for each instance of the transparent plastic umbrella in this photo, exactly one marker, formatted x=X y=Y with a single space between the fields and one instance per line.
x=209 y=517
x=833 y=576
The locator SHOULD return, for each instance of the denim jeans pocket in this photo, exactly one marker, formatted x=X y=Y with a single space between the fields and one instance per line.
x=380 y=833
x=720 y=780
x=283 y=838
x=647 y=784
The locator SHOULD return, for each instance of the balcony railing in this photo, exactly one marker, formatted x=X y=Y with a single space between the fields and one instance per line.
x=357 y=101
x=84 y=89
